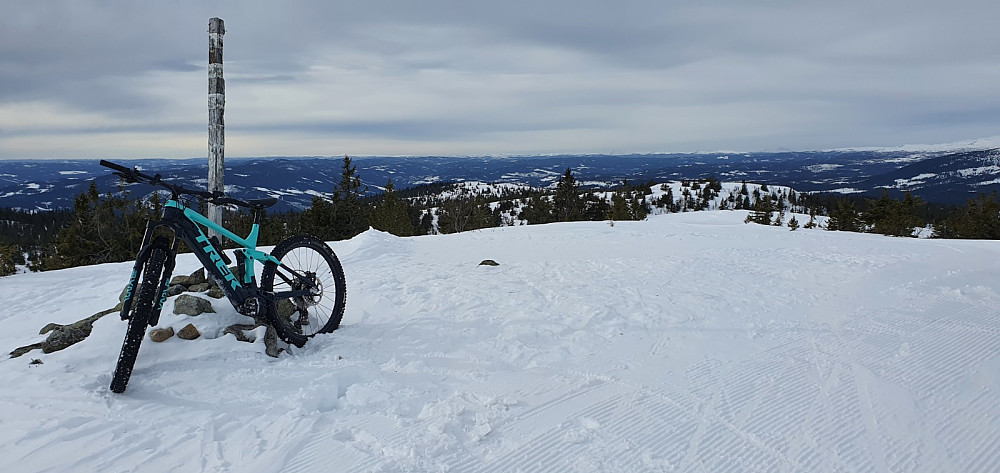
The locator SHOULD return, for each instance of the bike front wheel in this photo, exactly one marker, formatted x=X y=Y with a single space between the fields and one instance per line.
x=141 y=310
x=308 y=287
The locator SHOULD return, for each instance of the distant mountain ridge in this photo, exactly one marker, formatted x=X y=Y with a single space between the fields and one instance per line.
x=935 y=176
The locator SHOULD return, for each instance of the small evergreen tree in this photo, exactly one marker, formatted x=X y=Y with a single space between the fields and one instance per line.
x=761 y=213
x=461 y=215
x=780 y=219
x=619 y=208
x=793 y=223
x=103 y=230
x=812 y=219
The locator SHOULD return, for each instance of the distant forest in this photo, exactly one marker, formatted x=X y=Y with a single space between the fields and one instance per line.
x=108 y=228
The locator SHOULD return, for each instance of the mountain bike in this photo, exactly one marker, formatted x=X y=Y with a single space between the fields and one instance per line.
x=302 y=290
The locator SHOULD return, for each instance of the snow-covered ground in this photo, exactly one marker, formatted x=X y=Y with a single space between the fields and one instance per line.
x=688 y=342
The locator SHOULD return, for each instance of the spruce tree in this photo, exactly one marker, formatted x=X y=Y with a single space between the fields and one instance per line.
x=844 y=217
x=619 y=208
x=668 y=199
x=978 y=219
x=390 y=213
x=566 y=203
x=537 y=209
x=892 y=217
x=9 y=258
x=426 y=223
x=595 y=208
x=344 y=215
x=638 y=208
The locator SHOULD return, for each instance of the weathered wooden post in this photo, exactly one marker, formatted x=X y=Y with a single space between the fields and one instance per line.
x=216 y=110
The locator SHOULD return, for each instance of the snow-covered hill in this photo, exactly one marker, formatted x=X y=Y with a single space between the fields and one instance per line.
x=40 y=185
x=687 y=342
x=961 y=174
x=666 y=197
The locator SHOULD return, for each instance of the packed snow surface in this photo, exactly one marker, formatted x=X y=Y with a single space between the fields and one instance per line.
x=687 y=342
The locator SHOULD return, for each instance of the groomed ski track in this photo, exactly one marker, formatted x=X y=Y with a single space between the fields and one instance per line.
x=688 y=342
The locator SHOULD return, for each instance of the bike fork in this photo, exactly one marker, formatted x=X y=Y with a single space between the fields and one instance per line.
x=140 y=260
x=161 y=289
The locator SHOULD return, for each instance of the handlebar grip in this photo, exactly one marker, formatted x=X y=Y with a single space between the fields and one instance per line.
x=116 y=167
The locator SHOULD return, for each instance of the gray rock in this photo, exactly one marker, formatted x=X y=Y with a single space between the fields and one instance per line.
x=271 y=342
x=48 y=328
x=175 y=290
x=285 y=308
x=238 y=331
x=161 y=334
x=215 y=293
x=25 y=349
x=489 y=262
x=189 y=332
x=197 y=277
x=191 y=305
x=63 y=336
x=198 y=287
x=271 y=347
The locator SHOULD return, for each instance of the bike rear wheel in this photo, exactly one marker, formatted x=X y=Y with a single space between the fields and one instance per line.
x=141 y=310
x=311 y=271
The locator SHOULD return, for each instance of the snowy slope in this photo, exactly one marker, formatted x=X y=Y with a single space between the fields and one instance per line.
x=687 y=342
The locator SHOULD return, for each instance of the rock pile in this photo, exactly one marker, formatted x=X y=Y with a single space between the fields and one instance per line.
x=186 y=303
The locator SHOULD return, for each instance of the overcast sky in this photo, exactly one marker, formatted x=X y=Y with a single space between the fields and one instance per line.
x=124 y=79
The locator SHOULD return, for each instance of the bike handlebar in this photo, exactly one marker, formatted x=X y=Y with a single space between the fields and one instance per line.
x=116 y=167
x=134 y=175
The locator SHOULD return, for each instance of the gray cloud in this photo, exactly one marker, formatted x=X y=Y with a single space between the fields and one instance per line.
x=499 y=77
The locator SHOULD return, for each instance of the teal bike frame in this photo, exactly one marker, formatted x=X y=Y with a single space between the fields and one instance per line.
x=241 y=288
x=250 y=253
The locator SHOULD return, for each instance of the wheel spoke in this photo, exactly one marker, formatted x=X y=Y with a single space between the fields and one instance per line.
x=305 y=262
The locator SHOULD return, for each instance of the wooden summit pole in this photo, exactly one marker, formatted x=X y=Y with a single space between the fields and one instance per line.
x=216 y=110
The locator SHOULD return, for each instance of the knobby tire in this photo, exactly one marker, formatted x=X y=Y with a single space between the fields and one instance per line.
x=142 y=309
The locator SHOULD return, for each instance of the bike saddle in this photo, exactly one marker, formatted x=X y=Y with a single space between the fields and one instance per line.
x=255 y=204
x=262 y=203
